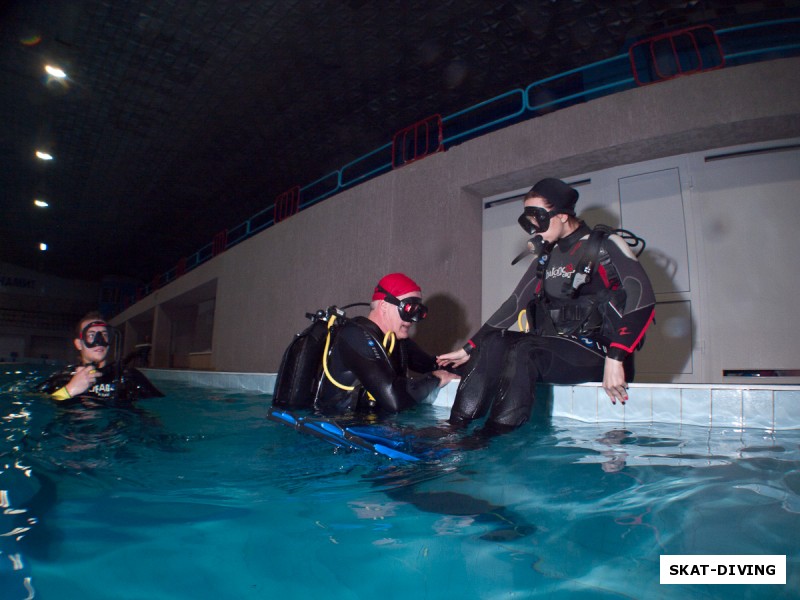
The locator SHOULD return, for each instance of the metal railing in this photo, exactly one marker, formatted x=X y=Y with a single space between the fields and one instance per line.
x=735 y=45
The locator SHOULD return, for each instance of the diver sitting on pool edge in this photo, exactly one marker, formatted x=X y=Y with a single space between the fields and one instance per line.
x=95 y=377
x=367 y=359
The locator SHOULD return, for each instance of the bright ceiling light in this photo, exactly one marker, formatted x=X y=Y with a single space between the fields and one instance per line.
x=41 y=203
x=42 y=246
x=55 y=72
x=44 y=155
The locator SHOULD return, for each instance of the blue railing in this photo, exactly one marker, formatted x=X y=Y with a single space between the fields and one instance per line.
x=742 y=44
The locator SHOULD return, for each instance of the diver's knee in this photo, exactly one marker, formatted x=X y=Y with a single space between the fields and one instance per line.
x=458 y=421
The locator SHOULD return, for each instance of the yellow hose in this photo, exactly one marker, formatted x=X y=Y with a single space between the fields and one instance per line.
x=389 y=337
x=522 y=328
x=341 y=386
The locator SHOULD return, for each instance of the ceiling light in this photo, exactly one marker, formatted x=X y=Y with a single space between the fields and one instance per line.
x=44 y=155
x=41 y=203
x=55 y=72
x=42 y=246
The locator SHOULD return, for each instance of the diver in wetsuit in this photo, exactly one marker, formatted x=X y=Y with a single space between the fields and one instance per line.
x=589 y=303
x=95 y=378
x=369 y=359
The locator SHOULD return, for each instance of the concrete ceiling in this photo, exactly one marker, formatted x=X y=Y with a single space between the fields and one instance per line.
x=181 y=118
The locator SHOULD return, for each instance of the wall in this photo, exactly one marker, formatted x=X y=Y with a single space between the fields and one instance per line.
x=426 y=218
x=38 y=313
x=720 y=228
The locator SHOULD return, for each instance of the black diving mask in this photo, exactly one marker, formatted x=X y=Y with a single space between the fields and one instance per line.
x=92 y=339
x=536 y=219
x=411 y=309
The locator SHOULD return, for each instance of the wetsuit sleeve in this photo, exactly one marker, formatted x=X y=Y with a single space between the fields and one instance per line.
x=55 y=382
x=419 y=361
x=369 y=364
x=505 y=316
x=628 y=315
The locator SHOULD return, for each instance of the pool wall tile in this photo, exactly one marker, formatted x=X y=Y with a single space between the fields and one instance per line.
x=787 y=409
x=585 y=404
x=446 y=394
x=726 y=442
x=763 y=406
x=696 y=406
x=639 y=406
x=758 y=409
x=562 y=401
x=666 y=405
x=726 y=408
x=605 y=410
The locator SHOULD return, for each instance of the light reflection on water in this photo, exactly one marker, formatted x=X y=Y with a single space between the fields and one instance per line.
x=196 y=495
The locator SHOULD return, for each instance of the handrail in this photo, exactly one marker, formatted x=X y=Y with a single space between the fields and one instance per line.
x=494 y=113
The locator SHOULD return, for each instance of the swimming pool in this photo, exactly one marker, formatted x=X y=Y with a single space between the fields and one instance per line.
x=196 y=495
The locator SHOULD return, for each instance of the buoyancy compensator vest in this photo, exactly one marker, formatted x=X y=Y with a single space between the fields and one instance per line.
x=302 y=363
x=570 y=313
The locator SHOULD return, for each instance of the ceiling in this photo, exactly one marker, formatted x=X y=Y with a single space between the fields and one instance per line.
x=181 y=118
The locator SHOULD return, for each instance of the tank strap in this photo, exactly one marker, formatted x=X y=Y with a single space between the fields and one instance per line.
x=587 y=264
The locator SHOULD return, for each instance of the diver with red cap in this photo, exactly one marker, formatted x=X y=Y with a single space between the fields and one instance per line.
x=588 y=303
x=367 y=364
x=96 y=377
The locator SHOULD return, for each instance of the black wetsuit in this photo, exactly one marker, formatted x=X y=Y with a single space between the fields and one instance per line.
x=357 y=358
x=133 y=385
x=570 y=336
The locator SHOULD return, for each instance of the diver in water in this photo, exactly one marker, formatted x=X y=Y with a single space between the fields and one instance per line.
x=95 y=377
x=367 y=365
x=589 y=303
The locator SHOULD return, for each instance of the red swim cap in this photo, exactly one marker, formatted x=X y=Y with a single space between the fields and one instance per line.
x=396 y=284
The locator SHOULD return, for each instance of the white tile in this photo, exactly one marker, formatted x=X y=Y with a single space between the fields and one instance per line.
x=562 y=401
x=725 y=442
x=787 y=409
x=584 y=403
x=607 y=412
x=726 y=408
x=696 y=406
x=666 y=405
x=446 y=395
x=758 y=409
x=639 y=406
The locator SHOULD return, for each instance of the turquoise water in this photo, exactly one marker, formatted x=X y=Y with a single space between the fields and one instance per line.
x=197 y=496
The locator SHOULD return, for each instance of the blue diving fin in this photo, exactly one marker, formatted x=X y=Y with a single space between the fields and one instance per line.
x=364 y=437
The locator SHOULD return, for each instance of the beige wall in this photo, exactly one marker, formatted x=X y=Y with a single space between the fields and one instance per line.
x=426 y=218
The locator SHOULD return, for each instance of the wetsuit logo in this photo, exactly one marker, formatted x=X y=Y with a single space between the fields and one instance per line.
x=102 y=390
x=564 y=272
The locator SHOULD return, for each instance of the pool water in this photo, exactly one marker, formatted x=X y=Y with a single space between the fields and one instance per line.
x=197 y=496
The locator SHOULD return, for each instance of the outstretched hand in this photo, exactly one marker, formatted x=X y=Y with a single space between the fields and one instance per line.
x=452 y=359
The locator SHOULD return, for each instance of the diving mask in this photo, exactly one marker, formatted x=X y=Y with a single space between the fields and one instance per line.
x=95 y=338
x=411 y=309
x=536 y=219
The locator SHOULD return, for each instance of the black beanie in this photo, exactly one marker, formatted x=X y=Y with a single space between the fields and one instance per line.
x=557 y=193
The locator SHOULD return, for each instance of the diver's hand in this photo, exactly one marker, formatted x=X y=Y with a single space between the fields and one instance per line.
x=83 y=378
x=452 y=359
x=445 y=377
x=614 y=381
